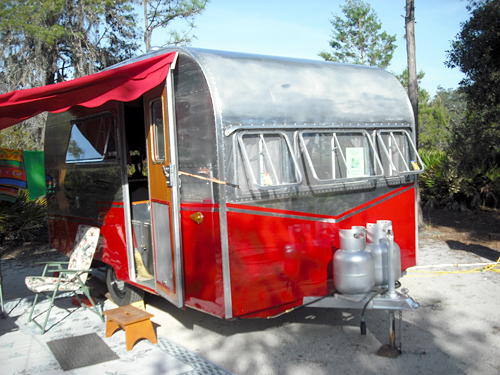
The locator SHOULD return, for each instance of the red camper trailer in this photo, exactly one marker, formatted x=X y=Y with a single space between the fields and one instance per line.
x=239 y=185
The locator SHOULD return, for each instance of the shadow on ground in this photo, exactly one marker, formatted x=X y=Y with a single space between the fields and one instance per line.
x=479 y=250
x=314 y=340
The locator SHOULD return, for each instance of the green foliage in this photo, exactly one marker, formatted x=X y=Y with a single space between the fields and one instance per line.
x=161 y=13
x=434 y=124
x=475 y=52
x=27 y=136
x=443 y=184
x=437 y=117
x=49 y=41
x=20 y=218
x=357 y=38
x=439 y=184
x=474 y=109
x=403 y=79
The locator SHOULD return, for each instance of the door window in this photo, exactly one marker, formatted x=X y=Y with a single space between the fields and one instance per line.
x=158 y=126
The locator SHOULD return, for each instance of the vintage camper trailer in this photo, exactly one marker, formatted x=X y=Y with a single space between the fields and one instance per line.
x=243 y=185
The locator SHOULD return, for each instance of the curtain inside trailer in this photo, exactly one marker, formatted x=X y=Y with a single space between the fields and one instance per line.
x=123 y=83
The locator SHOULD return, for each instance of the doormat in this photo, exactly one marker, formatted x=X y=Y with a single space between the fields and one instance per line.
x=81 y=351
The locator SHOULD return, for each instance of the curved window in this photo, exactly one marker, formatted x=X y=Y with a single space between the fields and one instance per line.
x=340 y=156
x=269 y=160
x=398 y=153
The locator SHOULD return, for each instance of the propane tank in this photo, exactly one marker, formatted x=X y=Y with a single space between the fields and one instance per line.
x=353 y=267
x=377 y=245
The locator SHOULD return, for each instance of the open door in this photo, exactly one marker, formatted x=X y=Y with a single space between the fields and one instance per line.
x=164 y=191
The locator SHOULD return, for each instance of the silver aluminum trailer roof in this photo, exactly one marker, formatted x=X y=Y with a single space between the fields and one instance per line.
x=249 y=89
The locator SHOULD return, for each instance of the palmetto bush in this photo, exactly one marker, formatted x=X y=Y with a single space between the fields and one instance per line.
x=442 y=186
x=439 y=184
x=482 y=185
x=24 y=218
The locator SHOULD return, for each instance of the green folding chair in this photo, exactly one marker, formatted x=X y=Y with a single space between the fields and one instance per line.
x=71 y=279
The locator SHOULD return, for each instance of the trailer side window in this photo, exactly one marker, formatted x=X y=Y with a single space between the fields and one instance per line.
x=398 y=153
x=92 y=139
x=269 y=160
x=158 y=131
x=340 y=156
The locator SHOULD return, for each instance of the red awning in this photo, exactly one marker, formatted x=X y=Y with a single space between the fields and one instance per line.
x=124 y=83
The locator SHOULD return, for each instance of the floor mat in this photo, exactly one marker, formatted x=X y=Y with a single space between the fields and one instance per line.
x=80 y=351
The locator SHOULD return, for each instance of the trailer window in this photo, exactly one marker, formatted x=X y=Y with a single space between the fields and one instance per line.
x=158 y=131
x=340 y=156
x=92 y=139
x=398 y=153
x=269 y=160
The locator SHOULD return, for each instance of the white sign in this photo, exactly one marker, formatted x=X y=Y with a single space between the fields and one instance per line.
x=355 y=161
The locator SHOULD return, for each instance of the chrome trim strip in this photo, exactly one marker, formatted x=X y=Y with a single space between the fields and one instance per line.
x=341 y=218
x=276 y=214
x=226 y=270
x=175 y=190
x=338 y=219
x=126 y=194
x=257 y=127
x=200 y=208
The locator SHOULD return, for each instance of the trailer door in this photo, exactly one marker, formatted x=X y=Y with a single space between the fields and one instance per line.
x=164 y=191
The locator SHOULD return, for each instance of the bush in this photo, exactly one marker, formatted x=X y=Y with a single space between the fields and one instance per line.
x=23 y=219
x=439 y=184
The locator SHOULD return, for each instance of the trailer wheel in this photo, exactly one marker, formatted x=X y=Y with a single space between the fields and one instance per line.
x=122 y=293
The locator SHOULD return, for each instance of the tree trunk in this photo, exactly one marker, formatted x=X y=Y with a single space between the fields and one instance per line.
x=412 y=62
x=412 y=83
x=50 y=65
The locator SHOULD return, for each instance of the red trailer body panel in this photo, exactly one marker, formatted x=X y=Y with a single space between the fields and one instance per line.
x=285 y=259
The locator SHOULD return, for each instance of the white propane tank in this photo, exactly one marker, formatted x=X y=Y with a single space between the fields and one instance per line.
x=353 y=266
x=377 y=245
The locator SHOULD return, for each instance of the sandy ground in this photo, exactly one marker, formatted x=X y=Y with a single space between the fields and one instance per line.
x=455 y=331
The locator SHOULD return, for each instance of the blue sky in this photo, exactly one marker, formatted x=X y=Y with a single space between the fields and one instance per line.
x=301 y=29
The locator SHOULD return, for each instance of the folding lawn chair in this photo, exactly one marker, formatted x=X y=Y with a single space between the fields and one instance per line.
x=71 y=279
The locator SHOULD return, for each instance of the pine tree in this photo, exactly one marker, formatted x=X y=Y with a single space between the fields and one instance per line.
x=357 y=37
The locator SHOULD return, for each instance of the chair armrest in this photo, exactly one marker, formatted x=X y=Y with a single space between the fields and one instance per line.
x=52 y=266
x=54 y=262
x=75 y=271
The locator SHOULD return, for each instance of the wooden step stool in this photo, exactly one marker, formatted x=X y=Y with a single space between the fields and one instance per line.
x=135 y=322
